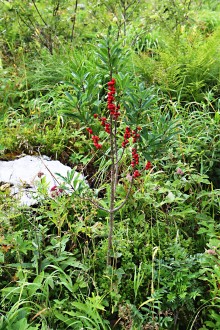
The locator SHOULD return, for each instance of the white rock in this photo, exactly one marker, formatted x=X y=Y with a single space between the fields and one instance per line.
x=26 y=173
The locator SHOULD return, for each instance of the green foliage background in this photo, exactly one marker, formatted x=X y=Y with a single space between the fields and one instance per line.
x=53 y=70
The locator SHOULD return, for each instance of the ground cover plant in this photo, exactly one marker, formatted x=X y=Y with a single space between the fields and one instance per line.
x=128 y=94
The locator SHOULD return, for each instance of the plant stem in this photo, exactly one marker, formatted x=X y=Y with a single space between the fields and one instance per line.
x=74 y=20
x=41 y=17
x=112 y=193
x=116 y=155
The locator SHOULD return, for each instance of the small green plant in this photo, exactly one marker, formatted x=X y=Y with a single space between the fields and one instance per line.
x=210 y=274
x=85 y=314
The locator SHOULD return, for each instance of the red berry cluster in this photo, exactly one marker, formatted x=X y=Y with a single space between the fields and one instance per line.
x=113 y=110
x=96 y=143
x=136 y=174
x=111 y=100
x=136 y=135
x=105 y=124
x=134 y=162
x=95 y=138
x=89 y=130
x=135 y=157
x=127 y=135
x=102 y=119
x=148 y=165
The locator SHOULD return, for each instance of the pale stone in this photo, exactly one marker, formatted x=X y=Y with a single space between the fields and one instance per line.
x=26 y=173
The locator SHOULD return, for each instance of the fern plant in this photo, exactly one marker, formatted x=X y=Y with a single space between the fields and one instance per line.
x=186 y=67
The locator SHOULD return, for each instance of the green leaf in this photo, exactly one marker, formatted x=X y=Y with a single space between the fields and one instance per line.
x=2 y=257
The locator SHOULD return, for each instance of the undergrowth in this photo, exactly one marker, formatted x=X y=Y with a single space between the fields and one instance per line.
x=164 y=269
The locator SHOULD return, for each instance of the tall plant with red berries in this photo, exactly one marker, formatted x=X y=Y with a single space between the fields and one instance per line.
x=123 y=111
x=129 y=140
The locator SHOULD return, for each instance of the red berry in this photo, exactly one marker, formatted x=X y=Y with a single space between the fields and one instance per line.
x=98 y=146
x=89 y=130
x=136 y=174
x=148 y=165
